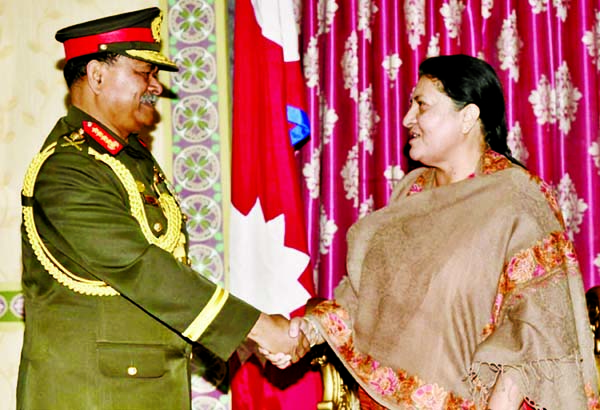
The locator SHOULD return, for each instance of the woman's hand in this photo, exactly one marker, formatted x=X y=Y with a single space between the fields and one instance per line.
x=272 y=334
x=506 y=395
x=300 y=328
x=308 y=328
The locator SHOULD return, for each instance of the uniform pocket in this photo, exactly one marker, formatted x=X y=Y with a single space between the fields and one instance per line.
x=131 y=360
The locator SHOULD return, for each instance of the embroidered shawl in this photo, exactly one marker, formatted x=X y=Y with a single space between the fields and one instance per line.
x=450 y=287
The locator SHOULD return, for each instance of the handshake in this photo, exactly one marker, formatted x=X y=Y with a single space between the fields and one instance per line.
x=284 y=341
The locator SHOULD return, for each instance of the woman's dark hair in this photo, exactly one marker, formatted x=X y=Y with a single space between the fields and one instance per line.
x=469 y=80
x=76 y=68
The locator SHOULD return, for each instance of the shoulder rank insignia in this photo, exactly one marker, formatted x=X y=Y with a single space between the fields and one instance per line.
x=75 y=139
x=102 y=137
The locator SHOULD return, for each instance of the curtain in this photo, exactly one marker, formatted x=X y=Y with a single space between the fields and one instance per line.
x=360 y=60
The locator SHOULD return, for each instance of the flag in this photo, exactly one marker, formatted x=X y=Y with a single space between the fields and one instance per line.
x=269 y=262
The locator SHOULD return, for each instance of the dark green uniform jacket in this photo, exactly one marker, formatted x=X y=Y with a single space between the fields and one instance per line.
x=111 y=307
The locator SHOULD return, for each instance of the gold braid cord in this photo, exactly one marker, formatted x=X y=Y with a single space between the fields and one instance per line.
x=167 y=203
x=54 y=267
x=78 y=284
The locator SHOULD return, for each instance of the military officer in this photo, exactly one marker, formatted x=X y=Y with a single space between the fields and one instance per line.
x=112 y=307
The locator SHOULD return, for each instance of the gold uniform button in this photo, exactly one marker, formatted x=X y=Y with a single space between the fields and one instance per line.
x=132 y=370
x=140 y=186
x=158 y=227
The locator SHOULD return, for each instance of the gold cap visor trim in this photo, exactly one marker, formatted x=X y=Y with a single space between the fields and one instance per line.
x=153 y=57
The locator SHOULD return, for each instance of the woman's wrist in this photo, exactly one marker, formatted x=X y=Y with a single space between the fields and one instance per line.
x=311 y=332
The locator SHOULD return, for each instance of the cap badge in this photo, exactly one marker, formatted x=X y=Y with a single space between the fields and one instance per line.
x=155 y=26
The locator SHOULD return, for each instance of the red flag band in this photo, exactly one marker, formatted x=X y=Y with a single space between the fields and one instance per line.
x=269 y=261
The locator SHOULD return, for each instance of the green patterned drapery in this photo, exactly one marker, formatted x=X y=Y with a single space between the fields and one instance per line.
x=200 y=149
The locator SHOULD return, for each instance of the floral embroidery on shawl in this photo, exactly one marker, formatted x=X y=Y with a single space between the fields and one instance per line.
x=429 y=396
x=419 y=183
x=396 y=386
x=550 y=253
x=550 y=195
x=592 y=400
x=491 y=162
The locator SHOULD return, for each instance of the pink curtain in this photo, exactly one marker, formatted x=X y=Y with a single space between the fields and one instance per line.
x=361 y=61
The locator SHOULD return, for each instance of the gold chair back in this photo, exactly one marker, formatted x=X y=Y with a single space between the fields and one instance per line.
x=592 y=297
x=340 y=391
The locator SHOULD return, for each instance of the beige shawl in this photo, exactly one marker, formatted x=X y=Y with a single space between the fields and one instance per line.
x=450 y=287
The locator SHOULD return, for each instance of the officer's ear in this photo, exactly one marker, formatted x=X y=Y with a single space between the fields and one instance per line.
x=95 y=74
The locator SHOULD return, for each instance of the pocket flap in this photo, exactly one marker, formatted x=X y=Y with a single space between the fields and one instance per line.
x=131 y=360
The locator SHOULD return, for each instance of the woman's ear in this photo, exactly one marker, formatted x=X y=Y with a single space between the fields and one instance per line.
x=95 y=73
x=470 y=117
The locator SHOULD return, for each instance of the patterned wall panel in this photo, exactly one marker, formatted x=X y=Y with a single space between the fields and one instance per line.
x=199 y=127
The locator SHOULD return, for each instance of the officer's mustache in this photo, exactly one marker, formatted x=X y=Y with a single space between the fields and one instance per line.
x=149 y=99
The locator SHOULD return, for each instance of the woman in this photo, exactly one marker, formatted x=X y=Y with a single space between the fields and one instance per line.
x=464 y=292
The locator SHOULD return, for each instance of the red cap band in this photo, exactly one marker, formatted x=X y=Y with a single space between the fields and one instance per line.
x=80 y=46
